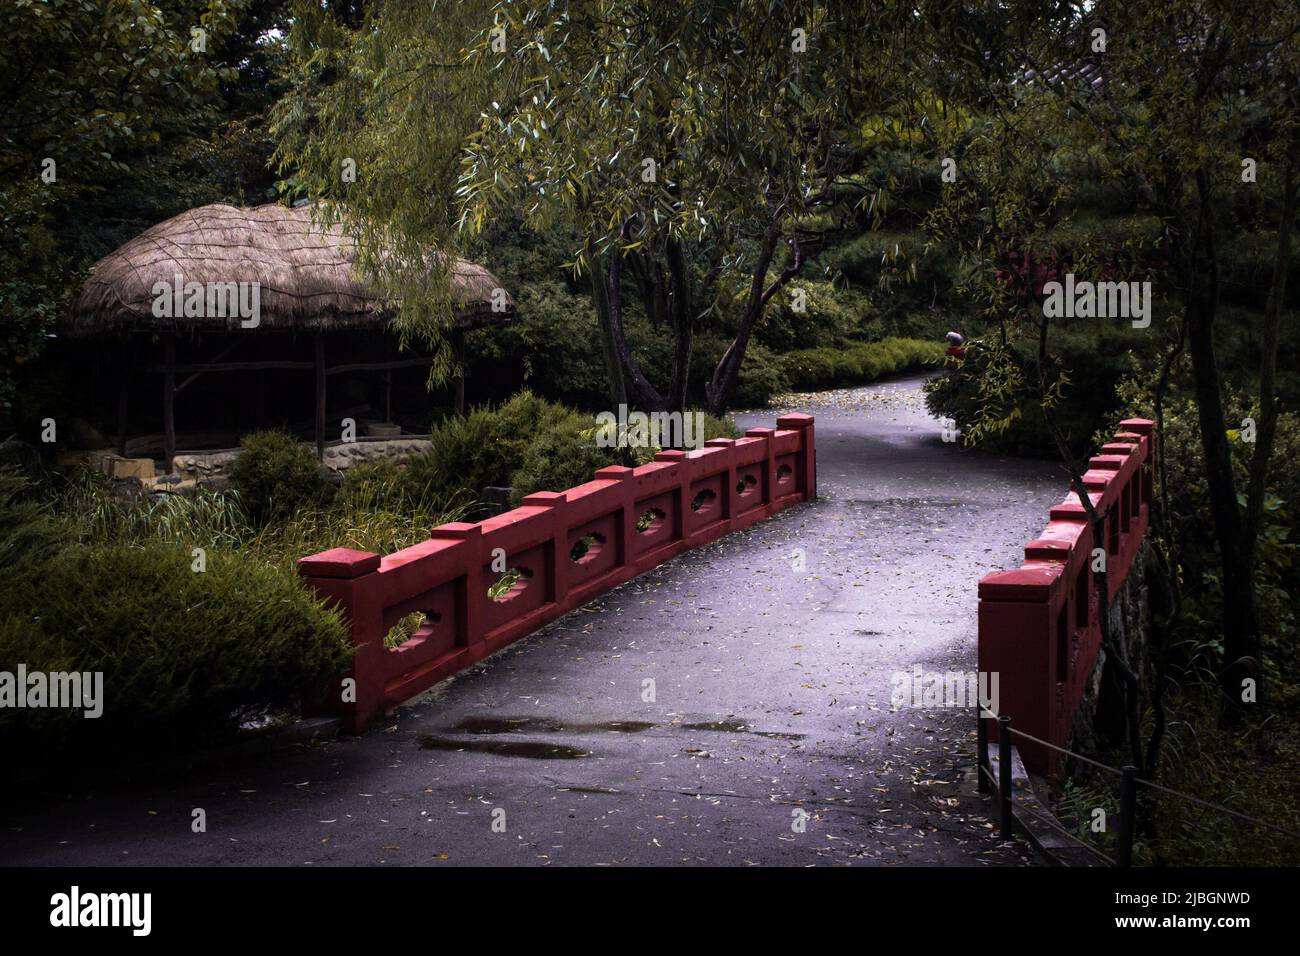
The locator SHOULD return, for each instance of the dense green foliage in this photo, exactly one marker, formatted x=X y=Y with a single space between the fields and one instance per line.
x=562 y=456
x=29 y=533
x=190 y=646
x=859 y=362
x=566 y=452
x=114 y=117
x=527 y=444
x=186 y=656
x=487 y=446
x=276 y=475
x=676 y=209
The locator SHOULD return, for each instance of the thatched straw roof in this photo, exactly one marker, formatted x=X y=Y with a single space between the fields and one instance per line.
x=305 y=274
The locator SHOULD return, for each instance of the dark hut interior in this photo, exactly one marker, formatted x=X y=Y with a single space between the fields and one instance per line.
x=321 y=350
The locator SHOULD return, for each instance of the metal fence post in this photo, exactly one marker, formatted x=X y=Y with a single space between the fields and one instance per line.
x=981 y=750
x=1004 y=776
x=1127 y=814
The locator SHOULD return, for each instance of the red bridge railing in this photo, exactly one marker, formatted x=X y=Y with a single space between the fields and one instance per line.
x=1038 y=625
x=567 y=547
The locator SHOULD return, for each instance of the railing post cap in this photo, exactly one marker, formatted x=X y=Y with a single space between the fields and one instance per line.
x=1097 y=478
x=338 y=563
x=1048 y=549
x=545 y=499
x=1027 y=584
x=670 y=454
x=759 y=432
x=1068 y=511
x=1107 y=462
x=1143 y=426
x=795 y=420
x=617 y=472
x=719 y=442
x=459 y=530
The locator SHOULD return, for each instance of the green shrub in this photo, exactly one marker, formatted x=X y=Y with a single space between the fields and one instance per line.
x=719 y=426
x=186 y=656
x=810 y=368
x=566 y=453
x=486 y=447
x=858 y=363
x=460 y=456
x=276 y=475
x=762 y=378
x=29 y=535
x=1094 y=360
x=552 y=344
x=381 y=484
x=563 y=455
x=829 y=315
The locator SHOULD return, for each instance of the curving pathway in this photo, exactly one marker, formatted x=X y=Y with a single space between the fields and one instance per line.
x=770 y=738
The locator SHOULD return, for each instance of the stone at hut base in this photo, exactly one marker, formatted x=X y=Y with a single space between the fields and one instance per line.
x=141 y=468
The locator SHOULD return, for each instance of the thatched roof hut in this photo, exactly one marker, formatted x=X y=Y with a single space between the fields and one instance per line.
x=305 y=272
x=243 y=280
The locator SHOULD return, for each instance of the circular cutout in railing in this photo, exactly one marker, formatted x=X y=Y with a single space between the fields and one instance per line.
x=746 y=484
x=511 y=583
x=783 y=474
x=704 y=499
x=413 y=625
x=650 y=520
x=586 y=548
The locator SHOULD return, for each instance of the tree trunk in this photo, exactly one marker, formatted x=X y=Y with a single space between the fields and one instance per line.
x=1268 y=405
x=639 y=387
x=613 y=367
x=718 y=391
x=682 y=310
x=1240 y=624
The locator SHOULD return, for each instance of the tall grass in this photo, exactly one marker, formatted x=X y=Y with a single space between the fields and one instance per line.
x=373 y=516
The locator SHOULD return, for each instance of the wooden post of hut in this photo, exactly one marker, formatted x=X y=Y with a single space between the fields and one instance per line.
x=458 y=356
x=123 y=392
x=320 y=395
x=169 y=400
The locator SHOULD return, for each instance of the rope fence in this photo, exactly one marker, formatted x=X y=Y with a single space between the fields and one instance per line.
x=1129 y=781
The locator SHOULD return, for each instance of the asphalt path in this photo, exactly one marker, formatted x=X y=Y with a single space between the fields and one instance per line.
x=732 y=707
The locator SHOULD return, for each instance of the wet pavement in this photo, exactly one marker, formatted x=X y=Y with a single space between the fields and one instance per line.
x=731 y=707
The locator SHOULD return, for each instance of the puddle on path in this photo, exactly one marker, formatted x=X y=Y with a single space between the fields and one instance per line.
x=546 y=725
x=740 y=727
x=507 y=748
x=483 y=733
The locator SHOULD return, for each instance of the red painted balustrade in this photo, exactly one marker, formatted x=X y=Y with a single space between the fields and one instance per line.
x=681 y=500
x=1038 y=625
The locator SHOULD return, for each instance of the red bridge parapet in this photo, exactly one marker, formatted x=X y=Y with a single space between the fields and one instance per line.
x=567 y=547
x=1038 y=625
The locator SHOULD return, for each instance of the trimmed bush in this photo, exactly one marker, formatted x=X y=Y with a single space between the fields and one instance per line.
x=186 y=656
x=567 y=454
x=720 y=426
x=860 y=362
x=762 y=378
x=276 y=475
x=564 y=455
x=486 y=447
